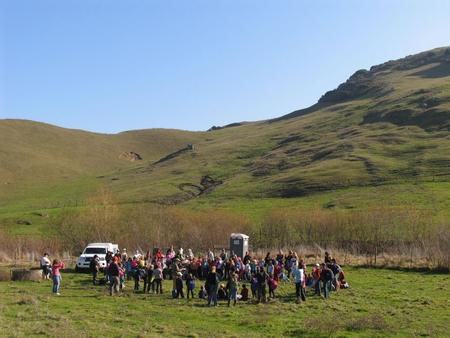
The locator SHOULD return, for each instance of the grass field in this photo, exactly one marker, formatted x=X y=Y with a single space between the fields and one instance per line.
x=433 y=197
x=380 y=303
x=354 y=148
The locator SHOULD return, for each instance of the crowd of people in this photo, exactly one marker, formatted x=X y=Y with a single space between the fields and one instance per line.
x=221 y=277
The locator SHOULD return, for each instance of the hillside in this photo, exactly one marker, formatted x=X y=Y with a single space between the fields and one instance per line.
x=383 y=127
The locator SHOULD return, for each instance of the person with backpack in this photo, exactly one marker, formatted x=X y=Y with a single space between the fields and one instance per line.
x=56 y=275
x=212 y=283
x=326 y=277
x=190 y=285
x=94 y=266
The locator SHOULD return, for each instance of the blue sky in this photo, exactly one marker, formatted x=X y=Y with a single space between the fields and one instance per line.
x=110 y=66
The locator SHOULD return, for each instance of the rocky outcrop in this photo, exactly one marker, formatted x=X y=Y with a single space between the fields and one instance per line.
x=130 y=156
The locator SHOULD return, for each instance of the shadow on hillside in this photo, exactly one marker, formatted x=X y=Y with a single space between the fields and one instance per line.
x=438 y=71
x=431 y=119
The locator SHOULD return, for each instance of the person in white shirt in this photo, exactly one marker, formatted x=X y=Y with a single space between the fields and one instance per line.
x=45 y=266
x=299 y=278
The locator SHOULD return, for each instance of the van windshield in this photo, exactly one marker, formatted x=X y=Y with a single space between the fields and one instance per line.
x=95 y=251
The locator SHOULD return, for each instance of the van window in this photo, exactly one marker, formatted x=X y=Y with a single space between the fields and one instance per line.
x=95 y=251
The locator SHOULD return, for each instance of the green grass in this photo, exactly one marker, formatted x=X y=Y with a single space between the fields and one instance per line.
x=336 y=154
x=380 y=303
x=433 y=197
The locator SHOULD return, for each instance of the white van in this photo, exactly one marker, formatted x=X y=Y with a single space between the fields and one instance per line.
x=92 y=249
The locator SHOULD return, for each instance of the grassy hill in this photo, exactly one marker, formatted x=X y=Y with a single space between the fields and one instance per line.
x=384 y=133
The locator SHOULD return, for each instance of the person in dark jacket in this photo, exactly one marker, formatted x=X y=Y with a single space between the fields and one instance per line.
x=114 y=280
x=94 y=265
x=190 y=285
x=326 y=277
x=149 y=279
x=212 y=282
x=179 y=286
x=261 y=277
x=336 y=269
x=244 y=293
x=247 y=258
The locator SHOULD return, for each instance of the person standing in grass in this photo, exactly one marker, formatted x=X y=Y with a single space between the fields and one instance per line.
x=272 y=283
x=121 y=276
x=261 y=277
x=212 y=282
x=46 y=266
x=254 y=286
x=56 y=275
x=95 y=268
x=288 y=263
x=190 y=285
x=299 y=278
x=129 y=268
x=326 y=277
x=179 y=285
x=114 y=277
x=316 y=278
x=336 y=269
x=149 y=279
x=158 y=277
x=232 y=288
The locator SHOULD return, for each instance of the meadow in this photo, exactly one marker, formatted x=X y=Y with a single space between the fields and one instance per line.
x=380 y=303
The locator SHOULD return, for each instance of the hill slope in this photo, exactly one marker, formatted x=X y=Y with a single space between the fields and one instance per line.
x=387 y=125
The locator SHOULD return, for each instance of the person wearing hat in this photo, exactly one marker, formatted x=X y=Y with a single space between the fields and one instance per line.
x=179 y=286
